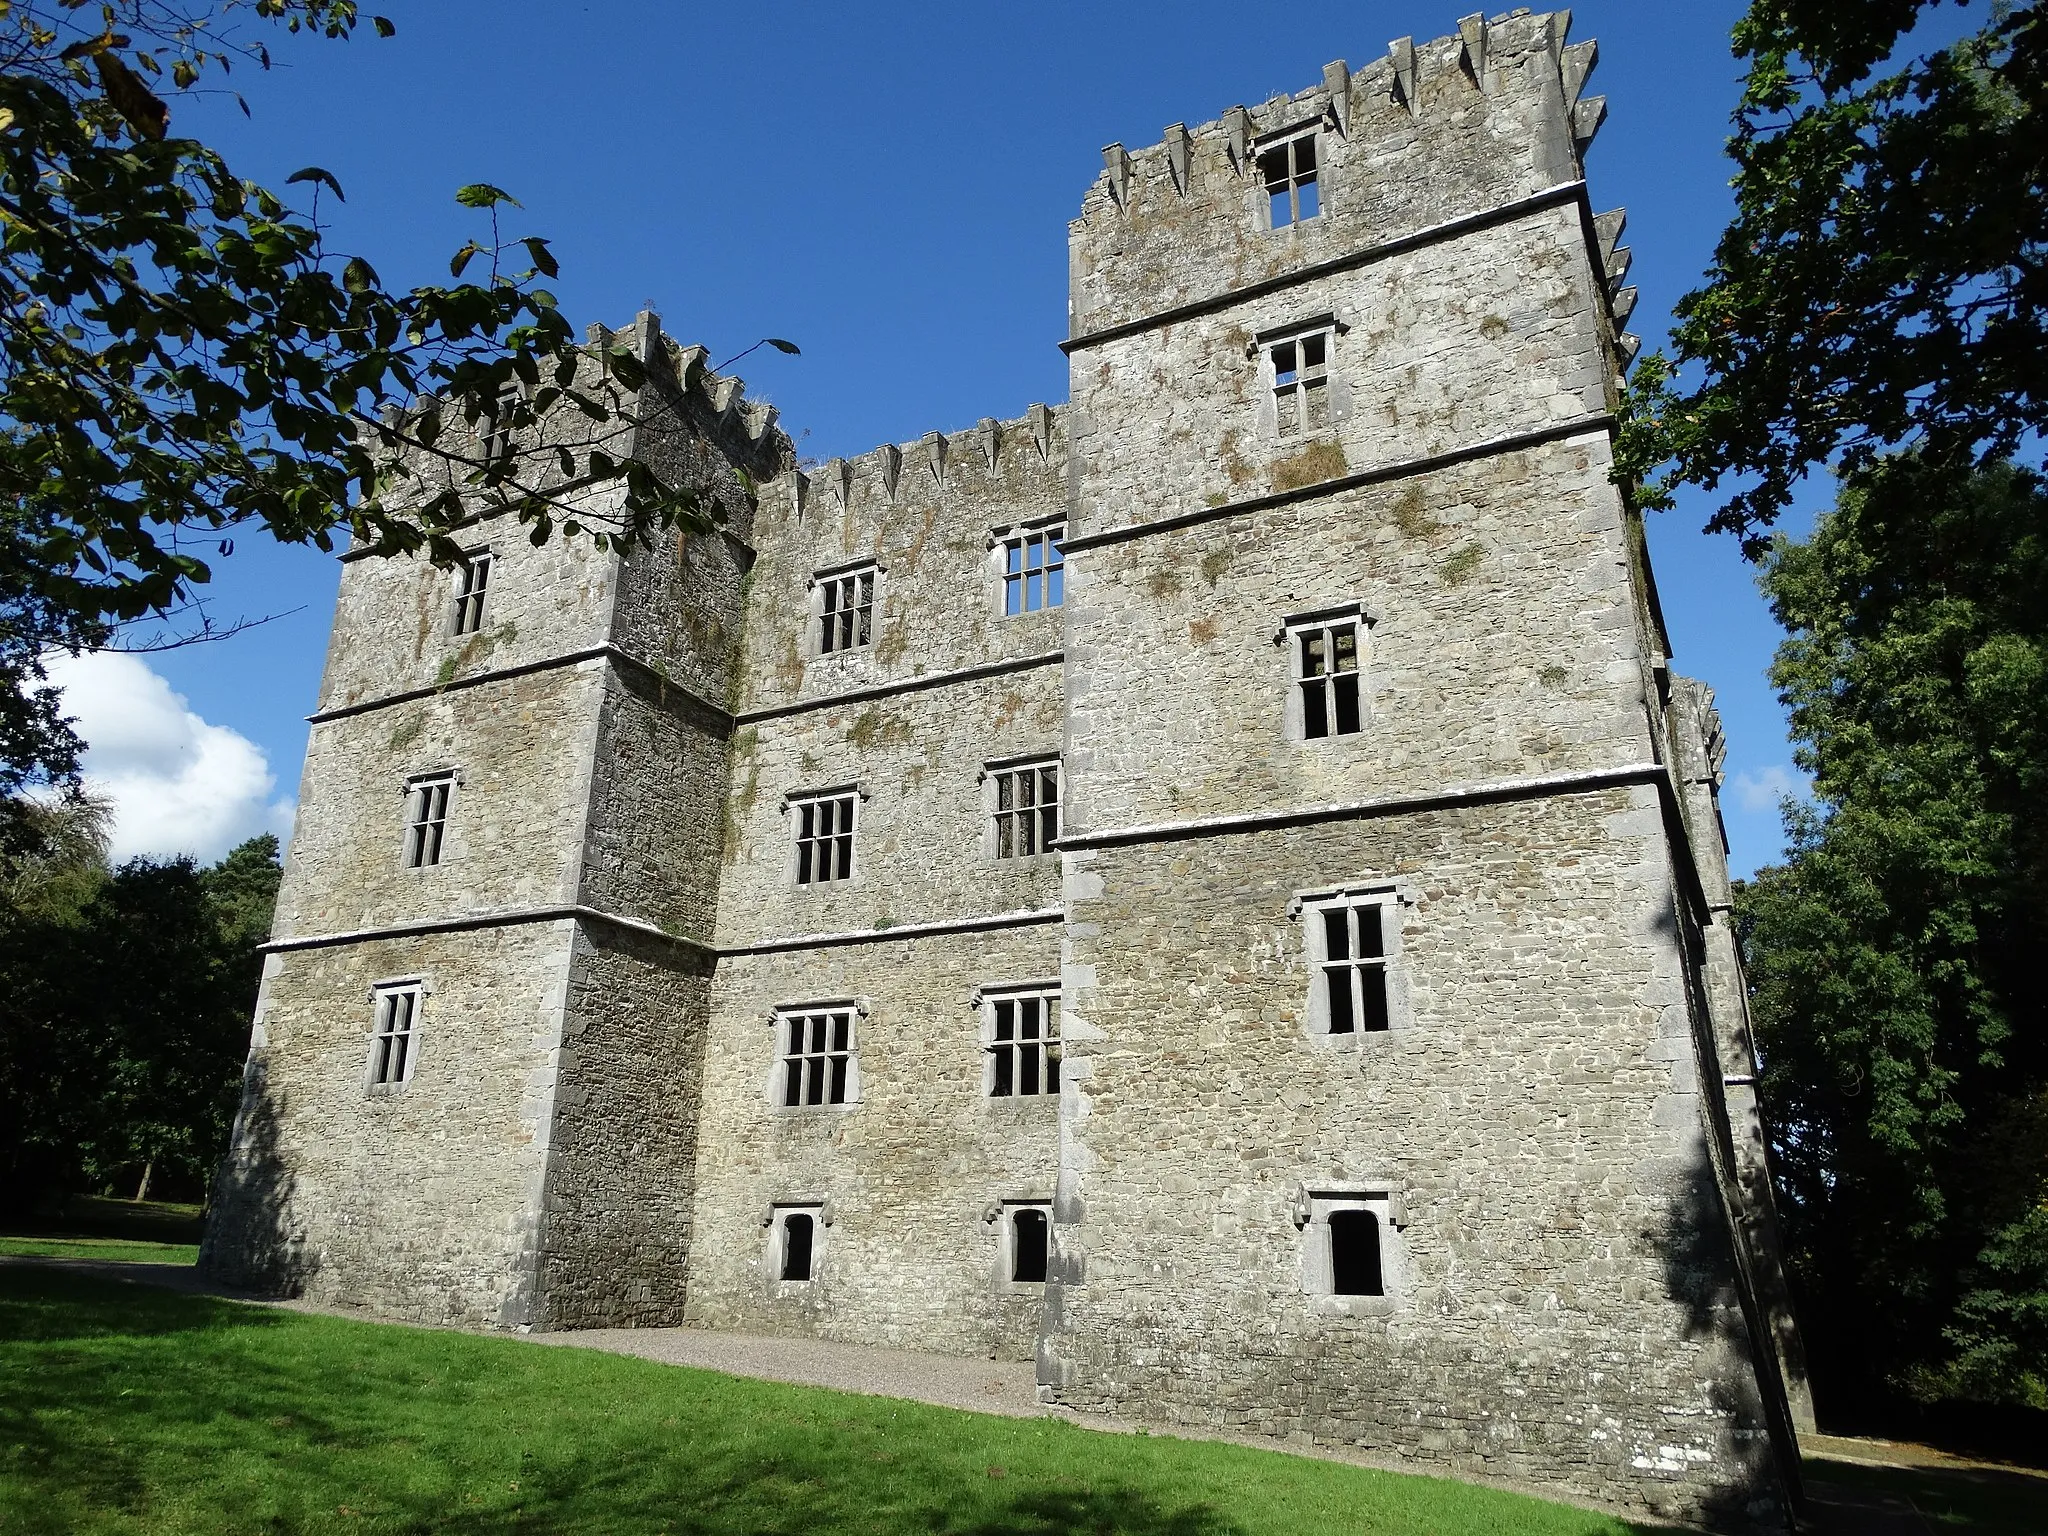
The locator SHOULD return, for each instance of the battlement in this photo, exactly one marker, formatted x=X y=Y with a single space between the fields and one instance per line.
x=1489 y=116
x=986 y=452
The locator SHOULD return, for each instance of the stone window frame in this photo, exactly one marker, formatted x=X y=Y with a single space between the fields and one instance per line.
x=775 y=1221
x=1017 y=535
x=1294 y=711
x=493 y=422
x=472 y=592
x=1307 y=908
x=1050 y=1054
x=429 y=804
x=1335 y=387
x=1310 y=1207
x=991 y=777
x=1278 y=161
x=1001 y=1215
x=855 y=795
x=384 y=997
x=775 y=1088
x=817 y=589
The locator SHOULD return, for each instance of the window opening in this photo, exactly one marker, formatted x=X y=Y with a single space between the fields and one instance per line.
x=848 y=617
x=1301 y=383
x=1355 y=1254
x=817 y=1056
x=1024 y=1044
x=824 y=839
x=797 y=1232
x=1034 y=571
x=428 y=821
x=1354 y=967
x=494 y=436
x=1028 y=1244
x=1289 y=170
x=392 y=1036
x=1027 y=809
x=1326 y=673
x=473 y=579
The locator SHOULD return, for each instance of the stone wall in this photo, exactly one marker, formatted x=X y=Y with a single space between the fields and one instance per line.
x=1563 y=1302
x=424 y=1204
x=1503 y=643
x=910 y=1171
x=621 y=1177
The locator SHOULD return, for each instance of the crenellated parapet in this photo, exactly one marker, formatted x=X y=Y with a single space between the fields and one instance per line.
x=977 y=461
x=1486 y=119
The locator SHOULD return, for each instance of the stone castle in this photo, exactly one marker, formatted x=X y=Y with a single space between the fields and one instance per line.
x=1214 y=886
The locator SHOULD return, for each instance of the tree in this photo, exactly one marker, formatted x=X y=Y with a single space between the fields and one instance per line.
x=1901 y=1009
x=124 y=1020
x=182 y=358
x=1883 y=281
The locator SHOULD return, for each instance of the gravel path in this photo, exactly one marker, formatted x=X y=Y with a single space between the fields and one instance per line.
x=986 y=1386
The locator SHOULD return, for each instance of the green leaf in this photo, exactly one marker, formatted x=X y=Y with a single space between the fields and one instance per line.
x=463 y=257
x=315 y=174
x=358 y=276
x=543 y=261
x=383 y=26
x=481 y=194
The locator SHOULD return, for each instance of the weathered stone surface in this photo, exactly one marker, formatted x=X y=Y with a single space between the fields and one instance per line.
x=1560 y=1127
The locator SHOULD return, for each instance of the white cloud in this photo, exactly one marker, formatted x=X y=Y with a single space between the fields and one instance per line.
x=1760 y=789
x=179 y=784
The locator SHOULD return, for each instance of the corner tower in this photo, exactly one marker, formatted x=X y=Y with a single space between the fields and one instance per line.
x=1394 y=1107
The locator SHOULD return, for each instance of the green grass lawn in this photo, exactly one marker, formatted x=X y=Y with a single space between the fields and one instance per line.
x=1981 y=1502
x=114 y=1250
x=127 y=1409
x=117 y=1231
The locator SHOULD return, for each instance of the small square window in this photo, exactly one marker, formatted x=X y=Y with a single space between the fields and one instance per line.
x=824 y=836
x=394 y=1033
x=1288 y=169
x=472 y=582
x=1301 y=382
x=796 y=1235
x=1034 y=571
x=426 y=822
x=1024 y=808
x=846 y=615
x=1351 y=1251
x=816 y=1057
x=1021 y=1038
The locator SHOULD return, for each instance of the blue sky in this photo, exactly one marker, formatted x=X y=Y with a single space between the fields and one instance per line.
x=889 y=186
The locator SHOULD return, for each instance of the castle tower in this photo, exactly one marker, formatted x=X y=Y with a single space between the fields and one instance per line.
x=471 y=1090
x=1394 y=1101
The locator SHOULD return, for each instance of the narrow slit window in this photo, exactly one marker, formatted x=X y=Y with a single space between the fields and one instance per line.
x=1301 y=383
x=1327 y=678
x=472 y=582
x=1354 y=967
x=1289 y=171
x=427 y=820
x=1030 y=1232
x=1034 y=571
x=1355 y=1268
x=394 y=1035
x=847 y=618
x=798 y=1232
x=824 y=838
x=817 y=1056
x=1023 y=1044
x=1026 y=809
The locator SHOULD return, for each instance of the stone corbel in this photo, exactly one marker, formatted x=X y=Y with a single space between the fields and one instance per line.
x=1237 y=127
x=890 y=458
x=1337 y=86
x=1401 y=54
x=935 y=455
x=1472 y=35
x=1118 y=163
x=1178 y=147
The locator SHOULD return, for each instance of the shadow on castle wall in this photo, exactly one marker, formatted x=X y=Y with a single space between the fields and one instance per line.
x=250 y=1243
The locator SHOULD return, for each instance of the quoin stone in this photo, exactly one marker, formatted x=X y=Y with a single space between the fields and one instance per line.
x=1213 y=886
